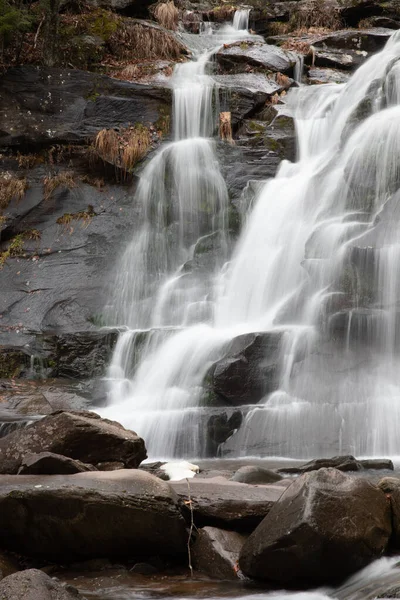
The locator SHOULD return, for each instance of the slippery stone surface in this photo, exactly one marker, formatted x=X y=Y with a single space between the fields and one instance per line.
x=216 y=501
x=33 y=584
x=342 y=463
x=255 y=475
x=48 y=463
x=79 y=435
x=249 y=369
x=71 y=517
x=216 y=552
x=324 y=518
x=232 y=57
x=60 y=106
x=319 y=76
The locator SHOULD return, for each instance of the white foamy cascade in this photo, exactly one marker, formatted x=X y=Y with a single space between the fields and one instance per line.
x=291 y=270
x=241 y=19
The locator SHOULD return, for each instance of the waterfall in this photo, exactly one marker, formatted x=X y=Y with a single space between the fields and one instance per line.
x=318 y=249
x=241 y=19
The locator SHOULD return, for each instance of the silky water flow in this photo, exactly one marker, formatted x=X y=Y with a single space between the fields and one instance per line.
x=317 y=259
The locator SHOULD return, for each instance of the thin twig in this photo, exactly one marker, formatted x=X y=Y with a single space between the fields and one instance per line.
x=190 y=504
x=38 y=31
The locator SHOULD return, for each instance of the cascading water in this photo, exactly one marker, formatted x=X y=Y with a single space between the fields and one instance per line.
x=241 y=19
x=317 y=258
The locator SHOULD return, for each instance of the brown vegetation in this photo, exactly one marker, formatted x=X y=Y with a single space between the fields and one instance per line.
x=133 y=41
x=84 y=215
x=225 y=127
x=51 y=182
x=11 y=188
x=123 y=148
x=167 y=14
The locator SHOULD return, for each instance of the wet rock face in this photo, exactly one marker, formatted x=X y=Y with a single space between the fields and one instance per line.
x=61 y=106
x=232 y=57
x=71 y=517
x=324 y=518
x=216 y=552
x=249 y=370
x=79 y=435
x=391 y=487
x=33 y=584
x=341 y=463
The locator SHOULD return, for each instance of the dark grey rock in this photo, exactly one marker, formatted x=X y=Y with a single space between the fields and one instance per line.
x=249 y=369
x=377 y=463
x=79 y=435
x=323 y=518
x=342 y=463
x=33 y=584
x=255 y=475
x=216 y=552
x=72 y=517
x=233 y=57
x=40 y=106
x=49 y=463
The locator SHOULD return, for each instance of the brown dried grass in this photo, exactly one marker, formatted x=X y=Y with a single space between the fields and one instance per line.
x=65 y=179
x=11 y=188
x=124 y=148
x=139 y=41
x=167 y=14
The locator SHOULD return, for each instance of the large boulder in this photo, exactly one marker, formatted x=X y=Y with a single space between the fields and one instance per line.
x=216 y=552
x=325 y=526
x=80 y=435
x=60 y=106
x=249 y=369
x=223 y=503
x=71 y=517
x=33 y=584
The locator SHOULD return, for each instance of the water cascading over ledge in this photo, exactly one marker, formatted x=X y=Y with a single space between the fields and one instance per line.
x=316 y=263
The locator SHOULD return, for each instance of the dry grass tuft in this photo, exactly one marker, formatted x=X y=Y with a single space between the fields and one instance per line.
x=134 y=41
x=51 y=182
x=124 y=148
x=167 y=14
x=11 y=188
x=316 y=13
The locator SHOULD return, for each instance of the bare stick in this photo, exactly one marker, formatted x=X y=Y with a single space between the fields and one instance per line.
x=190 y=504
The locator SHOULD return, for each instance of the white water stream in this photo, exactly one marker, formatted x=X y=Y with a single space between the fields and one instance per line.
x=316 y=245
